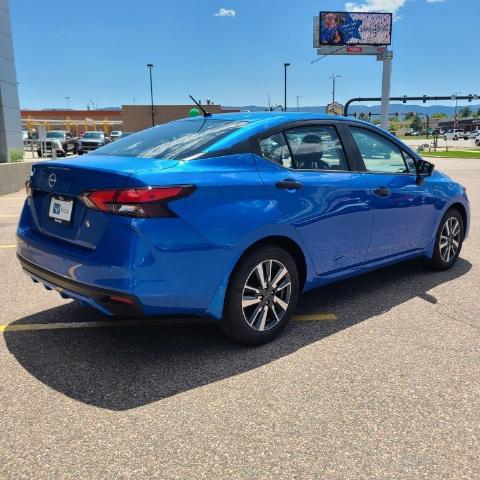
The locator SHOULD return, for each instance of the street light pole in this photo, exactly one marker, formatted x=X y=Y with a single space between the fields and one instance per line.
x=285 y=66
x=68 y=102
x=150 y=66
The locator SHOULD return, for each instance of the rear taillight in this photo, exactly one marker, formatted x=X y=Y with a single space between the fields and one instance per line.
x=137 y=202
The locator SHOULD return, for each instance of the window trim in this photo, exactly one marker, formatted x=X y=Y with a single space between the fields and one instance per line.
x=305 y=123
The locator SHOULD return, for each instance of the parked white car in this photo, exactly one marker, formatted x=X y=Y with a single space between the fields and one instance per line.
x=454 y=134
x=471 y=134
x=115 y=135
x=477 y=140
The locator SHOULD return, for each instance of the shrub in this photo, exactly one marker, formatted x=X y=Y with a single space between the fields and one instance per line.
x=16 y=155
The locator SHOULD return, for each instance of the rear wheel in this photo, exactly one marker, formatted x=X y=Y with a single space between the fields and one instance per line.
x=261 y=297
x=449 y=240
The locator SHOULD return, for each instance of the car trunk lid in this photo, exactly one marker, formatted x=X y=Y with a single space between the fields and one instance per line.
x=57 y=182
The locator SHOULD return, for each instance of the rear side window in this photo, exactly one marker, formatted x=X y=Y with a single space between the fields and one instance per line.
x=316 y=148
x=178 y=140
x=275 y=148
x=378 y=154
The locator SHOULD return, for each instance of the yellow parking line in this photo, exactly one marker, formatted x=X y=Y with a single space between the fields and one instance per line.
x=8 y=246
x=135 y=323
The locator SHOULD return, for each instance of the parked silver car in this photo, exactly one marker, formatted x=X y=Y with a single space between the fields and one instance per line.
x=91 y=141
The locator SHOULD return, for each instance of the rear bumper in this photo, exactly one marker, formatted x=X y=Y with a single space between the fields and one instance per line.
x=97 y=297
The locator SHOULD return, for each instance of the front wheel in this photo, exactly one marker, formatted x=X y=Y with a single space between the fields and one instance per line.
x=449 y=240
x=261 y=297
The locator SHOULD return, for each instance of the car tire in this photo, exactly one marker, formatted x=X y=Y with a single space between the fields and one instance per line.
x=261 y=296
x=477 y=143
x=448 y=241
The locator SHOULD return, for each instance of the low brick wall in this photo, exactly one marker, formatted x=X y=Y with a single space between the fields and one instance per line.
x=13 y=176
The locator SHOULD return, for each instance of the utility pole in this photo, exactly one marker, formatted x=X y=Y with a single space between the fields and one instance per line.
x=285 y=66
x=68 y=102
x=298 y=103
x=150 y=66
x=334 y=79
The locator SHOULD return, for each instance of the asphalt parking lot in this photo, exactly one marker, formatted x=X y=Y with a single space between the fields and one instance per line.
x=377 y=377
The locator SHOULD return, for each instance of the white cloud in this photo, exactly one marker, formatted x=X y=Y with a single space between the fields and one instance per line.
x=436 y=1
x=376 y=6
x=226 y=12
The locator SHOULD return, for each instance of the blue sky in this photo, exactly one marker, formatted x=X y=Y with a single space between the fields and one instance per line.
x=98 y=50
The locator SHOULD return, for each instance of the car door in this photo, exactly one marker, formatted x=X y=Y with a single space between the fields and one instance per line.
x=309 y=178
x=403 y=208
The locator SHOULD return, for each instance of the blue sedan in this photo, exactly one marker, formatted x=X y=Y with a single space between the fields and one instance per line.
x=231 y=216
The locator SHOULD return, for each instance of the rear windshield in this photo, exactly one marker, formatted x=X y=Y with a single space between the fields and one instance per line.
x=178 y=140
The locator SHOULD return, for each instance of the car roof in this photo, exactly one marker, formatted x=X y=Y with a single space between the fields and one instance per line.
x=258 y=122
x=279 y=117
x=262 y=120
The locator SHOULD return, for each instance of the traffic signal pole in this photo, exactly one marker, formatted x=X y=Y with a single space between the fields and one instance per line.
x=405 y=99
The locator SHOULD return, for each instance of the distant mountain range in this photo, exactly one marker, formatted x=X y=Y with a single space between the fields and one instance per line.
x=401 y=108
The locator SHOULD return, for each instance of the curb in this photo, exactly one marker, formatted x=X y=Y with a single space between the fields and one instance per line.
x=13 y=176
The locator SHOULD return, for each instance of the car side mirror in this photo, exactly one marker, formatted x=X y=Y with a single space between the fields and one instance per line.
x=424 y=169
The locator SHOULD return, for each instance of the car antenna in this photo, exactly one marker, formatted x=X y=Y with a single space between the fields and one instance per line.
x=205 y=113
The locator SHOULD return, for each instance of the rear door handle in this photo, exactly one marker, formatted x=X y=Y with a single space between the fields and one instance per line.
x=288 y=184
x=382 y=192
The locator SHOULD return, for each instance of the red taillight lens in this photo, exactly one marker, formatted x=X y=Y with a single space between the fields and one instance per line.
x=137 y=202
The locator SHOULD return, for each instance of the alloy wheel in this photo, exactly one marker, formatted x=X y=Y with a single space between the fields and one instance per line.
x=450 y=239
x=266 y=295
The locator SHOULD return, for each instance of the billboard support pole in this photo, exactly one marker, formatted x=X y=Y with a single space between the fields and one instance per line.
x=386 y=81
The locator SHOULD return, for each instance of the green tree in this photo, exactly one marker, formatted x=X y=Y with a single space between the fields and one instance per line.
x=409 y=115
x=439 y=115
x=416 y=123
x=465 y=112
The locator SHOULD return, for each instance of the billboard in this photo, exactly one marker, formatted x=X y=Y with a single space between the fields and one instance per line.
x=355 y=28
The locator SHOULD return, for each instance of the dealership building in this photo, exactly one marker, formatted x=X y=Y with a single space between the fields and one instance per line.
x=129 y=118
x=465 y=124
x=10 y=125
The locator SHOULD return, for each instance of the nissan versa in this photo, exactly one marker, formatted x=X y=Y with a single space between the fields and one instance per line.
x=231 y=216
